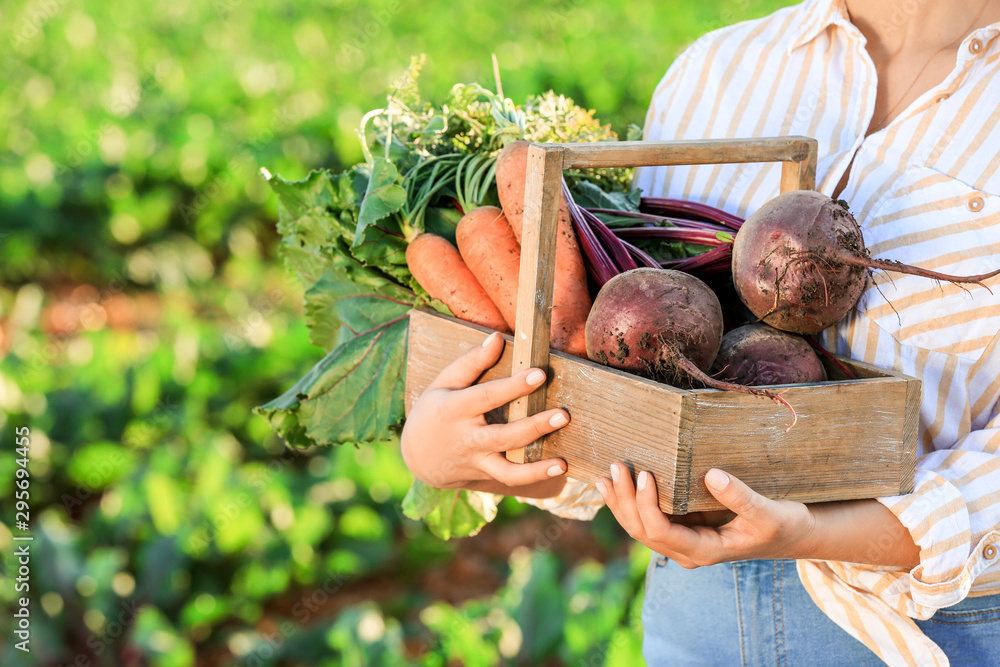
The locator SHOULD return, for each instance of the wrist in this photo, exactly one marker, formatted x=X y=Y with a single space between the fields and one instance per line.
x=811 y=541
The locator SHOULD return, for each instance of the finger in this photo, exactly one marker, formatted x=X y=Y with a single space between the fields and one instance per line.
x=607 y=489
x=491 y=395
x=521 y=474
x=624 y=492
x=604 y=487
x=654 y=521
x=736 y=495
x=692 y=544
x=523 y=432
x=465 y=370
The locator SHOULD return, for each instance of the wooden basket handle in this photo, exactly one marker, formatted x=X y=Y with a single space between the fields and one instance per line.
x=543 y=187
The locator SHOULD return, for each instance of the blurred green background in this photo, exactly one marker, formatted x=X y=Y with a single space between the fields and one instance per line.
x=143 y=314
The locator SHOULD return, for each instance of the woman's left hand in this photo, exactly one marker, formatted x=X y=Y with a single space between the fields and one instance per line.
x=760 y=527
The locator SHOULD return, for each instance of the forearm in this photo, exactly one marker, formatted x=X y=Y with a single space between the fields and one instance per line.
x=859 y=531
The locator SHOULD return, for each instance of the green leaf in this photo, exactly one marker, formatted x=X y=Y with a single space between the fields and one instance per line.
x=313 y=214
x=300 y=197
x=305 y=222
x=442 y=221
x=450 y=512
x=725 y=237
x=302 y=245
x=385 y=248
x=349 y=299
x=588 y=195
x=354 y=394
x=435 y=126
x=383 y=197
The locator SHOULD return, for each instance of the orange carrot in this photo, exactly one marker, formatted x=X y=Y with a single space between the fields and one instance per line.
x=437 y=267
x=570 y=294
x=493 y=255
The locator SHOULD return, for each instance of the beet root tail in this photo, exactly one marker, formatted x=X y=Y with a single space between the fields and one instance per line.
x=696 y=373
x=899 y=267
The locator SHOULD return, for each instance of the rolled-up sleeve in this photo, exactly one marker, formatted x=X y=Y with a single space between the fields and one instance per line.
x=953 y=515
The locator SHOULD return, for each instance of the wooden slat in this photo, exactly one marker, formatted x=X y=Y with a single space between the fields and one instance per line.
x=800 y=174
x=845 y=444
x=908 y=450
x=543 y=187
x=862 y=369
x=702 y=151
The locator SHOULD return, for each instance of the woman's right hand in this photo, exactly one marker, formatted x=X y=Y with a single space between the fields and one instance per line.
x=447 y=442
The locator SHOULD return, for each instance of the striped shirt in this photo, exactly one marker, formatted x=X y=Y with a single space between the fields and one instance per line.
x=926 y=191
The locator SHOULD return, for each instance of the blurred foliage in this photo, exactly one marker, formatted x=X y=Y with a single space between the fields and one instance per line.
x=122 y=127
x=143 y=314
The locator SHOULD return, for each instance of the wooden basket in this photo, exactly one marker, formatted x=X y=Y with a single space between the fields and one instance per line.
x=854 y=438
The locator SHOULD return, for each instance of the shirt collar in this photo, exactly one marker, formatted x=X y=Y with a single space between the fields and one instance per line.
x=818 y=15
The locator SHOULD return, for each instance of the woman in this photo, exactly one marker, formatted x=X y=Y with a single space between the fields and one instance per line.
x=904 y=99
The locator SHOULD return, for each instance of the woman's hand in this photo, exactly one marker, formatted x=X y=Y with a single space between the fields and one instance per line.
x=447 y=442
x=759 y=527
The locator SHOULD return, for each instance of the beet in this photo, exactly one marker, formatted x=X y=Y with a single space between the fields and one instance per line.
x=663 y=324
x=759 y=354
x=643 y=320
x=800 y=262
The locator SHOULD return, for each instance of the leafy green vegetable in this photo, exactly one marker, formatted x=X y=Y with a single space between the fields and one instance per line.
x=349 y=299
x=354 y=394
x=345 y=236
x=450 y=512
x=383 y=197
x=589 y=195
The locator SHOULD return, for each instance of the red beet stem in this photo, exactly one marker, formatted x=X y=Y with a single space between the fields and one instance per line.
x=899 y=267
x=686 y=365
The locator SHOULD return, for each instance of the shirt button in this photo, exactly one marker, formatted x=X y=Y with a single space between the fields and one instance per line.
x=990 y=552
x=975 y=46
x=976 y=204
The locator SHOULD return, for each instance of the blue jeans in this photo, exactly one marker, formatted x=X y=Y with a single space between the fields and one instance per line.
x=758 y=613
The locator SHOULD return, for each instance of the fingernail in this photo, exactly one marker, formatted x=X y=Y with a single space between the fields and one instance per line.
x=603 y=489
x=717 y=479
x=535 y=378
x=555 y=470
x=490 y=339
x=614 y=473
x=640 y=482
x=557 y=420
